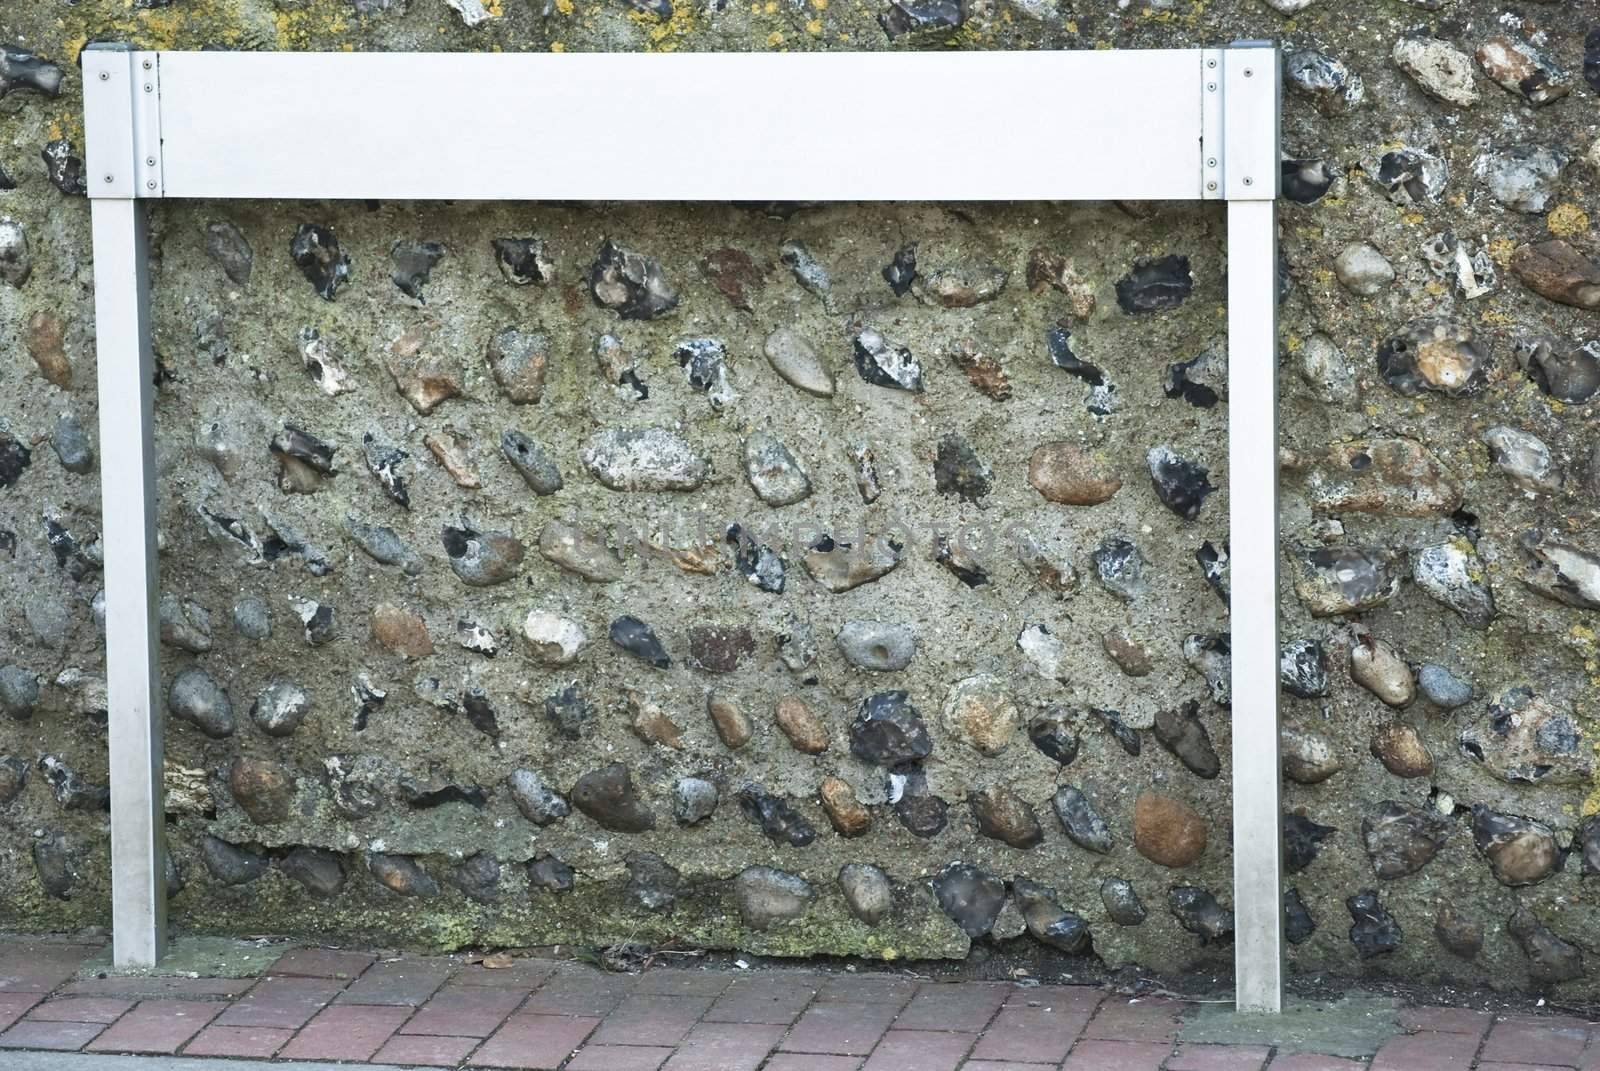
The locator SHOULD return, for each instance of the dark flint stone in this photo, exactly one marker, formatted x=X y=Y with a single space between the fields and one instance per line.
x=14 y=457
x=478 y=877
x=1551 y=960
x=420 y=797
x=21 y=69
x=550 y=874
x=1198 y=912
x=1214 y=565
x=1405 y=173
x=402 y=874
x=1375 y=931
x=368 y=699
x=1588 y=838
x=304 y=447
x=531 y=461
x=1302 y=838
x=1460 y=934
x=1179 y=385
x=1182 y=733
x=384 y=462
x=315 y=250
x=704 y=362
x=1058 y=344
x=1399 y=356
x=1005 y=816
x=720 y=648
x=1591 y=59
x=888 y=731
x=1520 y=851
x=413 y=262
x=321 y=872
x=64 y=168
x=481 y=558
x=920 y=812
x=911 y=16
x=568 y=711
x=652 y=884
x=950 y=554
x=1122 y=902
x=958 y=470
x=523 y=260
x=780 y=822
x=1047 y=920
x=694 y=800
x=71 y=791
x=630 y=283
x=1303 y=669
x=1298 y=925
x=229 y=248
x=1180 y=484
x=972 y=898
x=1054 y=734
x=52 y=860
x=538 y=802
x=1154 y=285
x=1400 y=840
x=1119 y=730
x=1120 y=566
x=13 y=778
x=757 y=563
x=230 y=864
x=639 y=640
x=607 y=796
x=900 y=271
x=1305 y=181
x=68 y=553
x=885 y=364
x=1081 y=821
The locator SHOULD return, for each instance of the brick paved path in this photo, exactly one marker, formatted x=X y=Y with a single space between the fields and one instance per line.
x=321 y=1004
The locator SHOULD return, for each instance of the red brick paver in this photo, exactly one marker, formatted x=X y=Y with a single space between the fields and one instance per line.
x=81 y=1010
x=40 y=1034
x=1096 y=1054
x=401 y=982
x=1031 y=1035
x=158 y=1026
x=1311 y=1061
x=620 y=1058
x=534 y=1041
x=238 y=1041
x=331 y=963
x=346 y=1032
x=419 y=1049
x=13 y=1005
x=1426 y=1051
x=1542 y=1040
x=725 y=1047
x=926 y=1050
x=793 y=1062
x=465 y=1011
x=840 y=1029
x=1219 y=1058
x=286 y=1003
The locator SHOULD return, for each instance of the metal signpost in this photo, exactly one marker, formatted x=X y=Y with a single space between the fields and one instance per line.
x=1166 y=125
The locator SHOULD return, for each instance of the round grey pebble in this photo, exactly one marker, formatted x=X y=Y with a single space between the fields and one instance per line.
x=766 y=896
x=252 y=619
x=280 y=708
x=775 y=474
x=19 y=692
x=1443 y=688
x=866 y=892
x=199 y=700
x=694 y=799
x=71 y=444
x=877 y=645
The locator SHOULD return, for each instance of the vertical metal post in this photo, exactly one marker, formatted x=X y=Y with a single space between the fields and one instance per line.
x=1253 y=580
x=127 y=502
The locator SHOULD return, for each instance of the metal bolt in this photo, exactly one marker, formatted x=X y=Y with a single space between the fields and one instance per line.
x=149 y=161
x=105 y=76
x=1211 y=87
x=148 y=88
x=1248 y=72
x=1212 y=64
x=1212 y=186
x=1248 y=181
x=110 y=178
x=1211 y=161
x=147 y=65
x=151 y=184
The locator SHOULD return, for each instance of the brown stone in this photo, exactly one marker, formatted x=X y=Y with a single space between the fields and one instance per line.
x=1559 y=272
x=47 y=346
x=451 y=449
x=400 y=631
x=1308 y=756
x=1067 y=473
x=422 y=377
x=651 y=724
x=1167 y=831
x=1401 y=750
x=263 y=789
x=732 y=726
x=849 y=817
x=720 y=648
x=1130 y=654
x=517 y=360
x=805 y=730
x=1458 y=933
x=984 y=372
x=1049 y=269
x=734 y=273
x=1005 y=816
x=1399 y=477
x=980 y=713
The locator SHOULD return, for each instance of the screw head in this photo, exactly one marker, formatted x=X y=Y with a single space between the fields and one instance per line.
x=148 y=88
x=149 y=161
x=111 y=178
x=147 y=65
x=1211 y=87
x=1248 y=72
x=105 y=76
x=1212 y=64
x=1211 y=162
x=1211 y=186
x=151 y=184
x=1248 y=181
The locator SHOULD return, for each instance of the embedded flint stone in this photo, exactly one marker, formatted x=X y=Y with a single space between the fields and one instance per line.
x=1566 y=373
x=532 y=462
x=280 y=707
x=1302 y=838
x=1167 y=831
x=478 y=877
x=971 y=897
x=694 y=799
x=228 y=247
x=22 y=70
x=1303 y=669
x=413 y=261
x=639 y=640
x=1153 y=285
x=195 y=698
x=19 y=692
x=13 y=778
x=705 y=364
x=1047 y=920
x=538 y=802
x=867 y=892
x=1306 y=182
x=767 y=896
x=922 y=813
x=793 y=357
x=888 y=731
x=585 y=553
x=630 y=284
x=64 y=167
x=386 y=461
x=481 y=558
x=1412 y=176
x=231 y=864
x=1005 y=816
x=315 y=251
x=70 y=789
x=1198 y=912
x=549 y=874
x=1561 y=572
x=1212 y=658
x=1557 y=271
x=848 y=816
x=1433 y=355
x=883 y=363
x=643 y=459
x=781 y=823
x=402 y=874
x=16 y=260
x=1182 y=733
x=758 y=564
x=1298 y=925
x=304 y=458
x=1400 y=840
x=568 y=711
x=1081 y=821
x=1525 y=737
x=1376 y=665
x=1519 y=68
x=1342 y=580
x=777 y=478
x=915 y=16
x=1520 y=851
x=840 y=567
x=1459 y=934
x=422 y=376
x=524 y=261
x=607 y=796
x=652 y=884
x=1125 y=737
x=901 y=271
x=1391 y=476
x=734 y=273
x=1055 y=734
x=957 y=470
x=383 y=545
x=1119 y=565
x=1122 y=902
x=807 y=270
x=1551 y=960
x=1374 y=931
x=960 y=287
x=320 y=872
x=1452 y=573
x=518 y=360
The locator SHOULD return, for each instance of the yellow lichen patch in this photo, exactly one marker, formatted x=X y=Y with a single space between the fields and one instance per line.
x=774 y=39
x=557 y=46
x=820 y=5
x=1072 y=27
x=1501 y=249
x=564 y=6
x=1412 y=218
x=1567 y=220
x=814 y=27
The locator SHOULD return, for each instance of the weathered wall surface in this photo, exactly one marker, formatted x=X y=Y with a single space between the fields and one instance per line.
x=1442 y=486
